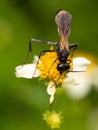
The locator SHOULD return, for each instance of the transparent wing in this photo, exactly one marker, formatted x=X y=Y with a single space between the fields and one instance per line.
x=63 y=20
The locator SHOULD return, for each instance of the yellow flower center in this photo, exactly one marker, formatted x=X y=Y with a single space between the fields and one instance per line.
x=53 y=119
x=48 y=67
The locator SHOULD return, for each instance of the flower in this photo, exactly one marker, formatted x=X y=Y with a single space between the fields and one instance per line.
x=27 y=71
x=51 y=91
x=83 y=82
x=47 y=69
x=53 y=119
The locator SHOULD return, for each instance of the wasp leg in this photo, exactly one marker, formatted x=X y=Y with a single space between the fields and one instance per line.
x=40 y=56
x=44 y=42
x=55 y=82
x=73 y=46
x=44 y=52
x=52 y=64
x=38 y=41
x=75 y=71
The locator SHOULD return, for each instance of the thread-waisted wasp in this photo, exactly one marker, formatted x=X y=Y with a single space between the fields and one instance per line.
x=63 y=20
x=55 y=63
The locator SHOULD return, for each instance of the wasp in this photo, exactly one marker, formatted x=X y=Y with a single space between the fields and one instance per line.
x=63 y=20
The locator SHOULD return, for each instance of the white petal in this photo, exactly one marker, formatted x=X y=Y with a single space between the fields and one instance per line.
x=79 y=85
x=26 y=71
x=51 y=89
x=80 y=64
x=69 y=81
x=35 y=59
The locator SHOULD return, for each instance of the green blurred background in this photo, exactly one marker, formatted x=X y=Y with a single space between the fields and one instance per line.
x=23 y=101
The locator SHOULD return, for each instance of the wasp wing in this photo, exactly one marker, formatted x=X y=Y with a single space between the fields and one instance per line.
x=63 y=20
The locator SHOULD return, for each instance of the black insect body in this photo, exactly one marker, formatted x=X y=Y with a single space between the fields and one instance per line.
x=63 y=20
x=63 y=65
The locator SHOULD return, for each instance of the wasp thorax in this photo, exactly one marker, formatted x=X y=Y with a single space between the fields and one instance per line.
x=63 y=55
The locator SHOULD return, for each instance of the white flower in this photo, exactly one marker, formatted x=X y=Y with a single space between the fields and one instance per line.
x=27 y=71
x=30 y=71
x=51 y=89
x=80 y=64
x=79 y=84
